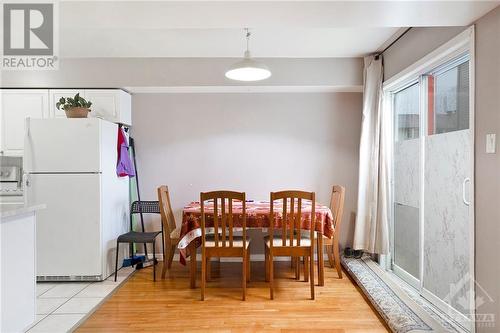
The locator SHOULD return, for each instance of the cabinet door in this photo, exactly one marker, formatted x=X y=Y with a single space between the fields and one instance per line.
x=55 y=95
x=17 y=272
x=110 y=104
x=17 y=105
x=105 y=103
x=125 y=108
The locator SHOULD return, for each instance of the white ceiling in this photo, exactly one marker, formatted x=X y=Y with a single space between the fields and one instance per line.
x=298 y=29
x=265 y=42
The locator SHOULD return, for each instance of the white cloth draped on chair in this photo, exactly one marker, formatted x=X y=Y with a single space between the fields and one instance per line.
x=371 y=231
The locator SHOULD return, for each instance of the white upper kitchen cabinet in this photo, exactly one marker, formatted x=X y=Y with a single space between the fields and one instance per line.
x=16 y=106
x=114 y=105
x=56 y=94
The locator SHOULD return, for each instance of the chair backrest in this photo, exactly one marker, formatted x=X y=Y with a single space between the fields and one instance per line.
x=291 y=218
x=145 y=207
x=167 y=215
x=337 y=205
x=223 y=202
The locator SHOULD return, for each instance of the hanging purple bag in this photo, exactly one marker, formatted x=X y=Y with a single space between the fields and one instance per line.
x=124 y=166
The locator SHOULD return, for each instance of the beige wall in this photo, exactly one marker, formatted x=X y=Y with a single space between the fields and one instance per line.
x=325 y=126
x=487 y=173
x=419 y=42
x=255 y=143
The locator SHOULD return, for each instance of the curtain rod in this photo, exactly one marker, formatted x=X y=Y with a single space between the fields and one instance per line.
x=393 y=42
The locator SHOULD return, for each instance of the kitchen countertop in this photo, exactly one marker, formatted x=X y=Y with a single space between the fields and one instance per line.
x=14 y=210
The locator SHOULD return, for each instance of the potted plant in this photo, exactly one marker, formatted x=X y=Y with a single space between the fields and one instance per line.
x=76 y=107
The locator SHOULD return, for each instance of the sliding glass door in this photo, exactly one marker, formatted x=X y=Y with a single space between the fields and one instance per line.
x=447 y=175
x=406 y=183
x=431 y=179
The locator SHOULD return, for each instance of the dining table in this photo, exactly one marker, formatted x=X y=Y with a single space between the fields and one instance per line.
x=257 y=217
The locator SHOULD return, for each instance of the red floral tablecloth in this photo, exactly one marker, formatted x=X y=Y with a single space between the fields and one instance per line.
x=257 y=218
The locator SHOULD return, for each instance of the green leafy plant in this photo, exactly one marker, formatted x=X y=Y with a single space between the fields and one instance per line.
x=75 y=102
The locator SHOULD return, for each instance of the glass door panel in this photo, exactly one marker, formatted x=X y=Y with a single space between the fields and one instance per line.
x=447 y=174
x=406 y=182
x=431 y=177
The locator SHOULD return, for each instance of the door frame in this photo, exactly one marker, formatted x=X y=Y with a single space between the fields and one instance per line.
x=462 y=43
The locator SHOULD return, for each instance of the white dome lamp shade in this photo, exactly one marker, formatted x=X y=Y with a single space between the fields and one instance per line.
x=248 y=69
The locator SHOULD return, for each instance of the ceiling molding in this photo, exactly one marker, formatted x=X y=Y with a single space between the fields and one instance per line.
x=242 y=89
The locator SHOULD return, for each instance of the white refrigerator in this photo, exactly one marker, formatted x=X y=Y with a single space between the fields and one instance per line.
x=70 y=166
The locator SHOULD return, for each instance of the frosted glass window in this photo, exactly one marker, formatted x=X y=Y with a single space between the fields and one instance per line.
x=407 y=113
x=450 y=92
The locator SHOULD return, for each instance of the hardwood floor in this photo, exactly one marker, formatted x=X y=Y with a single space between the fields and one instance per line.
x=142 y=305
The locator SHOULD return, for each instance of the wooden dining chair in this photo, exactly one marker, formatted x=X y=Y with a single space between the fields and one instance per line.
x=290 y=243
x=171 y=232
x=332 y=244
x=223 y=243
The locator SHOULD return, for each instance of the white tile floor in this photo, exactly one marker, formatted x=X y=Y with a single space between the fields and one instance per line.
x=62 y=306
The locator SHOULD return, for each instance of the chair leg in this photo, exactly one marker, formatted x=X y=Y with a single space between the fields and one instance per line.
x=171 y=257
x=192 y=261
x=209 y=269
x=329 y=252
x=337 y=256
x=320 y=262
x=116 y=260
x=165 y=262
x=203 y=276
x=249 y=264
x=266 y=259
x=163 y=240
x=297 y=268
x=271 y=275
x=306 y=269
x=311 y=275
x=154 y=260
x=244 y=275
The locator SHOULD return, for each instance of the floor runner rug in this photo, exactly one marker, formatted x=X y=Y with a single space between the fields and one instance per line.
x=402 y=309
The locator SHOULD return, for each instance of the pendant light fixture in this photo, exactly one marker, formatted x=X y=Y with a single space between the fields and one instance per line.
x=248 y=69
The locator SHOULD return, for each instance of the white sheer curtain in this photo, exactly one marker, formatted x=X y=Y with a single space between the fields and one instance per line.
x=371 y=231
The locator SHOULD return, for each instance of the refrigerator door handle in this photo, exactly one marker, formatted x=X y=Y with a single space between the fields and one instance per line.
x=28 y=127
x=27 y=181
x=464 y=192
x=28 y=153
x=25 y=184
